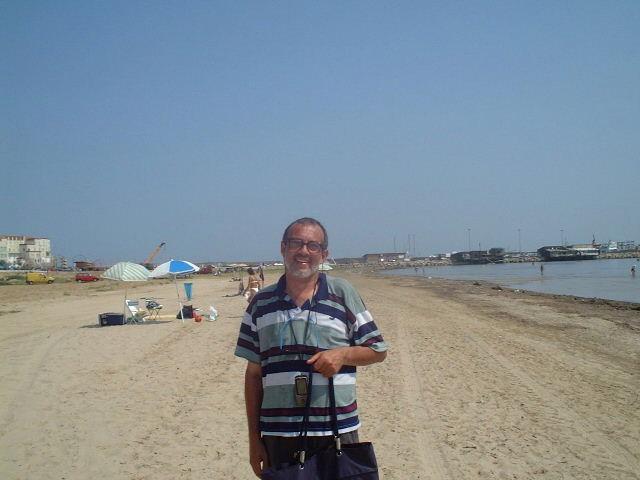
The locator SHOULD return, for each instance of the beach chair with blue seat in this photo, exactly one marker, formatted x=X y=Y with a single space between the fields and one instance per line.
x=134 y=314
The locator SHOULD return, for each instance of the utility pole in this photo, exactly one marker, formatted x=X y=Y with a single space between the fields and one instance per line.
x=469 y=238
x=519 y=244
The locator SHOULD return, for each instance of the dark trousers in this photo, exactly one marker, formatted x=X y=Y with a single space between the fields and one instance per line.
x=283 y=449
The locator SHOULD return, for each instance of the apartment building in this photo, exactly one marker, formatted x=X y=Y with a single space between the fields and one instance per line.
x=24 y=251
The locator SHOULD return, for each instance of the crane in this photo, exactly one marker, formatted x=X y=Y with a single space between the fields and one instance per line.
x=147 y=263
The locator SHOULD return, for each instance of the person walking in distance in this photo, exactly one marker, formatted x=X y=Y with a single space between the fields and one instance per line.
x=306 y=324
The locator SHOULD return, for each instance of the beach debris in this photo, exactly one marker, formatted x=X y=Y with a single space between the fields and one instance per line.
x=213 y=314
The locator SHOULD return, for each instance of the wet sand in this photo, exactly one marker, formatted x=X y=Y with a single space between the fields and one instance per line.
x=479 y=383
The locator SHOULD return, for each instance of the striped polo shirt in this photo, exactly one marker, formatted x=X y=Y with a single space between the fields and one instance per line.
x=280 y=337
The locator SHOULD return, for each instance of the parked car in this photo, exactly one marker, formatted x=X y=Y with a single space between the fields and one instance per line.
x=38 y=277
x=206 y=269
x=83 y=277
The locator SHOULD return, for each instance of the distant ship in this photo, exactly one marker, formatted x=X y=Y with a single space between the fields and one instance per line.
x=478 y=257
x=557 y=253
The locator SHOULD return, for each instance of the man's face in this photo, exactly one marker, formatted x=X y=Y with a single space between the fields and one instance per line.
x=301 y=262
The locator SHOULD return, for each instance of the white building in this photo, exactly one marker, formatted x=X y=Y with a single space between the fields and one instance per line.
x=23 y=251
x=613 y=246
x=626 y=245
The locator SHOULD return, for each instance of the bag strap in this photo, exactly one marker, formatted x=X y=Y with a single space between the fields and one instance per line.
x=334 y=417
x=302 y=437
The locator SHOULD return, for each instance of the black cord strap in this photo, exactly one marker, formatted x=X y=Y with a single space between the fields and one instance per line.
x=302 y=437
x=334 y=416
x=302 y=442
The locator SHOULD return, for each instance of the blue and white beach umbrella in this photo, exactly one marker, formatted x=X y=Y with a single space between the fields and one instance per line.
x=173 y=268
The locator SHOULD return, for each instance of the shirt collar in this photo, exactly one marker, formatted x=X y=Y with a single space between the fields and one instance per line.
x=321 y=294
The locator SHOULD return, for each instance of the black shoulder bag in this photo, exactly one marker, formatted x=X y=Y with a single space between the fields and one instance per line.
x=355 y=461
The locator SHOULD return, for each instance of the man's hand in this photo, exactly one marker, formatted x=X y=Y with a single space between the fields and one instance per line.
x=328 y=362
x=258 y=456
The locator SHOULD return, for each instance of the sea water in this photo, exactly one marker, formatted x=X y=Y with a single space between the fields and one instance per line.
x=608 y=279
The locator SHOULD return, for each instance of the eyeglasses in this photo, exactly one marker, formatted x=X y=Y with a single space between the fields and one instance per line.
x=297 y=244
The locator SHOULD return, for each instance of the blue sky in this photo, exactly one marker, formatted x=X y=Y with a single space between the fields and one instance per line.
x=211 y=125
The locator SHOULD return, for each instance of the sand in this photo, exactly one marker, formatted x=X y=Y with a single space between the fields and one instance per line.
x=479 y=383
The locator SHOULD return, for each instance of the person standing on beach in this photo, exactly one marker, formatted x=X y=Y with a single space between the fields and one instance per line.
x=305 y=324
x=253 y=285
x=261 y=275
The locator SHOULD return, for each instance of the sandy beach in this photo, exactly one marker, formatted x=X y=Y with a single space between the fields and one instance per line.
x=479 y=383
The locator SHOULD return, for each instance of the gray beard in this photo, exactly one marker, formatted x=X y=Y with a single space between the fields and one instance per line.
x=301 y=274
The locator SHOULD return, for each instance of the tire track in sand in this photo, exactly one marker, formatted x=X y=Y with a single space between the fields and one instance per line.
x=589 y=431
x=472 y=329
x=418 y=450
x=464 y=324
x=426 y=448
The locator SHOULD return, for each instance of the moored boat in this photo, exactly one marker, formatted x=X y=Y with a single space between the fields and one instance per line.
x=478 y=257
x=557 y=253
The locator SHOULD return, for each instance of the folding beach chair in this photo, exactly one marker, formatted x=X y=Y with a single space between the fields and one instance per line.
x=135 y=314
x=153 y=308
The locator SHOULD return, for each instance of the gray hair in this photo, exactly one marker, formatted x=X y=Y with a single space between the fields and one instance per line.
x=307 y=221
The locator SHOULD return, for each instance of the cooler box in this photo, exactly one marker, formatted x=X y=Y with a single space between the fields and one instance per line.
x=105 y=319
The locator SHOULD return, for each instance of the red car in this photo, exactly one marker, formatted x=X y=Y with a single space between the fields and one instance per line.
x=86 y=277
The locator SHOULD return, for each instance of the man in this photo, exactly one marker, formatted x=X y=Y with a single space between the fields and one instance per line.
x=307 y=322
